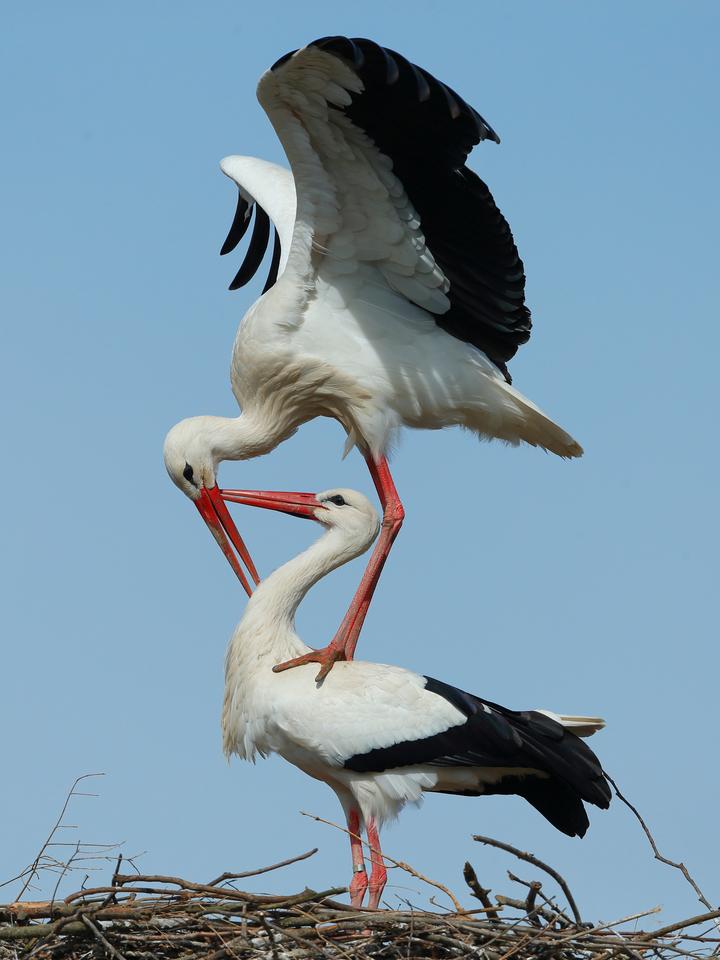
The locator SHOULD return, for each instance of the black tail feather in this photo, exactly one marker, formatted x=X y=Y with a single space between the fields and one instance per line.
x=556 y=801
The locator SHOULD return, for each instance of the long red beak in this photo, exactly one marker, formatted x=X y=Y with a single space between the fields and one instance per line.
x=296 y=504
x=215 y=514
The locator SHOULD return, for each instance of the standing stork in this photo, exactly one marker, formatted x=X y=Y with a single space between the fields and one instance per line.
x=395 y=297
x=380 y=735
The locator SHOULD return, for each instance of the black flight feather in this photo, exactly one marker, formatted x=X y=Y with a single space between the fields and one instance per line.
x=274 y=263
x=238 y=228
x=428 y=130
x=256 y=250
x=492 y=737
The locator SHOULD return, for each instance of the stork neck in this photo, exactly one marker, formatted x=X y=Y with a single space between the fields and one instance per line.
x=266 y=630
x=244 y=437
x=280 y=594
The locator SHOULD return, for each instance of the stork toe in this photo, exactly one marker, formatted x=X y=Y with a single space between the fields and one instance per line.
x=327 y=657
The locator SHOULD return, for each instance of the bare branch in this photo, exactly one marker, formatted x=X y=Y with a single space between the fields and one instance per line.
x=659 y=856
x=478 y=891
x=531 y=858
x=254 y=873
x=32 y=870
x=672 y=927
x=101 y=938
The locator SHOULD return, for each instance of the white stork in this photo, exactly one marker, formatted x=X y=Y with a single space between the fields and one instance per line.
x=395 y=296
x=380 y=735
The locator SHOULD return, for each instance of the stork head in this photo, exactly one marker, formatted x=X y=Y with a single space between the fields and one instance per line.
x=191 y=458
x=341 y=509
x=188 y=455
x=349 y=511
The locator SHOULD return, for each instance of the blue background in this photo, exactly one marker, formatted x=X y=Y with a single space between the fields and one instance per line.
x=584 y=587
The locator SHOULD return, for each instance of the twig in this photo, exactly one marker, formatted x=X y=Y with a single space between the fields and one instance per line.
x=282 y=902
x=537 y=910
x=479 y=892
x=549 y=901
x=321 y=934
x=270 y=936
x=526 y=941
x=254 y=873
x=530 y=858
x=396 y=863
x=659 y=856
x=672 y=927
x=67 y=866
x=185 y=885
x=116 y=871
x=530 y=909
x=101 y=938
x=608 y=926
x=33 y=868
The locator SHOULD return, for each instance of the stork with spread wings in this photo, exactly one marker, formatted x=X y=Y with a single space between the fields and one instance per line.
x=396 y=295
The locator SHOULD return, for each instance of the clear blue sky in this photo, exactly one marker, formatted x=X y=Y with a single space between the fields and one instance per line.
x=584 y=587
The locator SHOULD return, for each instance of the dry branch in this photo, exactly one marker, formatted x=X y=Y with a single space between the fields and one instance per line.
x=478 y=891
x=531 y=858
x=678 y=865
x=43 y=859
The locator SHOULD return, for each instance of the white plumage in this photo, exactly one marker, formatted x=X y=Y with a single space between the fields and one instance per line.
x=388 y=310
x=380 y=735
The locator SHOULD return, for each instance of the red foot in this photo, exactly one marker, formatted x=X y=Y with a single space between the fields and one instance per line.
x=327 y=658
x=358 y=886
x=376 y=887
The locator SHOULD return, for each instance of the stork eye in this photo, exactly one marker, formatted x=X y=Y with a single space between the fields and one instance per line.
x=337 y=500
x=188 y=474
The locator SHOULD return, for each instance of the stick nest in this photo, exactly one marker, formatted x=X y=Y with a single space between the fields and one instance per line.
x=153 y=917
x=143 y=917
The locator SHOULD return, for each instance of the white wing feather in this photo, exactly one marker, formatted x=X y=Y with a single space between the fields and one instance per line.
x=351 y=208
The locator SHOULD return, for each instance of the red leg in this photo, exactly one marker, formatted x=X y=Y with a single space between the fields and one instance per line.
x=393 y=516
x=359 y=882
x=342 y=646
x=378 y=874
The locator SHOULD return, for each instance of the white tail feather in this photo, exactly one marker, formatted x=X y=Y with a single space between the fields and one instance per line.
x=580 y=726
x=503 y=412
x=539 y=430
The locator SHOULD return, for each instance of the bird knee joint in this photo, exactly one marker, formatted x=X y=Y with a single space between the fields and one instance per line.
x=393 y=516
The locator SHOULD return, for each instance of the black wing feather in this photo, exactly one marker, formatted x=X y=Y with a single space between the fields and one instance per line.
x=274 y=264
x=238 y=228
x=256 y=250
x=494 y=736
x=428 y=130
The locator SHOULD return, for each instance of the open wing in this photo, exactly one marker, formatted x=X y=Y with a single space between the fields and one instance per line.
x=377 y=148
x=270 y=178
